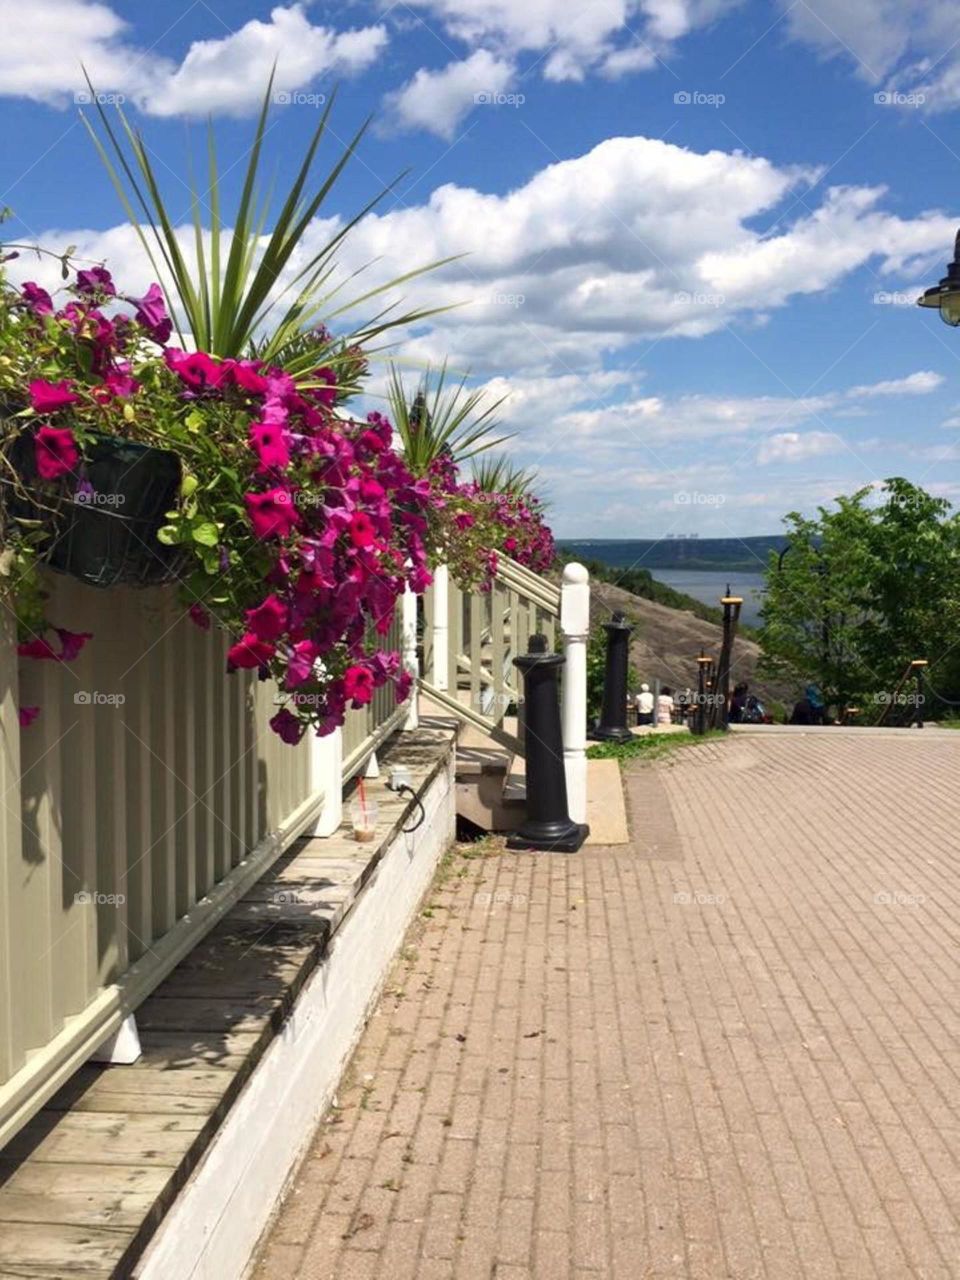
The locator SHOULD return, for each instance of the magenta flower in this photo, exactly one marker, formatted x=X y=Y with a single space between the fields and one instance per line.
x=55 y=451
x=48 y=397
x=249 y=653
x=27 y=715
x=272 y=513
x=96 y=280
x=247 y=378
x=288 y=727
x=268 y=620
x=362 y=532
x=37 y=299
x=199 y=617
x=151 y=314
x=271 y=448
x=71 y=642
x=199 y=371
x=38 y=648
x=358 y=685
x=300 y=663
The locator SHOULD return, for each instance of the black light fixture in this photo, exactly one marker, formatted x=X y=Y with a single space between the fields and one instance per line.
x=946 y=295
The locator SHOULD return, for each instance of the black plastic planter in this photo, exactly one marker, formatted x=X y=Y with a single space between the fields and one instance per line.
x=104 y=521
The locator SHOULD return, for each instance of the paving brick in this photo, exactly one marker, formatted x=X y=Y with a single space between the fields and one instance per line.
x=737 y=1062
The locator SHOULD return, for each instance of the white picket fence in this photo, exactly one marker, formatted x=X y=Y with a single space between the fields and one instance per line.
x=151 y=794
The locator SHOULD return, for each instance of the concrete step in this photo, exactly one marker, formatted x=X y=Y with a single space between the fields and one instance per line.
x=483 y=794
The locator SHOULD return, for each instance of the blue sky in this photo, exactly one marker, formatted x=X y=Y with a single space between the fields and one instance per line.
x=693 y=228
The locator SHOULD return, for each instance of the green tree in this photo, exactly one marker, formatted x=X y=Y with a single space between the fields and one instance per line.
x=861 y=590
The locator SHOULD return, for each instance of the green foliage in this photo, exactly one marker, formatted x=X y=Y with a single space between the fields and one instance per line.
x=861 y=591
x=230 y=297
x=596 y=666
x=440 y=420
x=651 y=746
x=497 y=474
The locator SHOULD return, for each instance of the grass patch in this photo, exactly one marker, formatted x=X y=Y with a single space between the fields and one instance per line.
x=650 y=746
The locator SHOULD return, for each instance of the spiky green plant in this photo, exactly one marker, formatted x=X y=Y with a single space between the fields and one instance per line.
x=229 y=299
x=441 y=419
x=497 y=474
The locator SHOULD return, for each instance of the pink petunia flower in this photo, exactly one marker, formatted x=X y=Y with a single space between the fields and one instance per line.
x=272 y=513
x=55 y=451
x=151 y=314
x=199 y=371
x=72 y=642
x=268 y=620
x=27 y=715
x=358 y=685
x=96 y=280
x=271 y=448
x=249 y=653
x=286 y=725
x=362 y=532
x=37 y=299
x=48 y=397
x=199 y=617
x=38 y=648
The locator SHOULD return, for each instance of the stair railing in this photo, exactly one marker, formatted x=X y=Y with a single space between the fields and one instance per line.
x=470 y=641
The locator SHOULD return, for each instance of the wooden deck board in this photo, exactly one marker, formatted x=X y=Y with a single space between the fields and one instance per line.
x=85 y=1183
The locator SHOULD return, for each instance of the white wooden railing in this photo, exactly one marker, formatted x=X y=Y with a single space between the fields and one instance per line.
x=148 y=796
x=470 y=642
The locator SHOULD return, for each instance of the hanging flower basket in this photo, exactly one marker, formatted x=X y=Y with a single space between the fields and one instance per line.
x=103 y=517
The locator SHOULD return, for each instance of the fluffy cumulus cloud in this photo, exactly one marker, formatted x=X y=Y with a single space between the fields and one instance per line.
x=572 y=40
x=908 y=50
x=796 y=446
x=438 y=100
x=226 y=74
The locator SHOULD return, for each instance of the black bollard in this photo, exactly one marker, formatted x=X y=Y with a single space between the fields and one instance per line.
x=612 y=726
x=548 y=825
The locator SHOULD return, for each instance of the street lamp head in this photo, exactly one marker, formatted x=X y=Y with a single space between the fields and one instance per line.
x=945 y=296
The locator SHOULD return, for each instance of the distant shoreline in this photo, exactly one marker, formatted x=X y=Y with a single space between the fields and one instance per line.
x=743 y=555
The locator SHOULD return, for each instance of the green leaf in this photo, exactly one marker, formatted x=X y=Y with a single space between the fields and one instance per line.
x=168 y=535
x=207 y=534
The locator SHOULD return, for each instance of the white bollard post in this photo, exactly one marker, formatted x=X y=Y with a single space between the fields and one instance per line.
x=408 y=619
x=575 y=629
x=441 y=628
x=326 y=772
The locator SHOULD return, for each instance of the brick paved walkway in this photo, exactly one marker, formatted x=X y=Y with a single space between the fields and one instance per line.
x=729 y=1050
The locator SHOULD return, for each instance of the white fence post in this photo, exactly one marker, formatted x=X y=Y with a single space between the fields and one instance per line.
x=575 y=628
x=326 y=771
x=441 y=628
x=408 y=605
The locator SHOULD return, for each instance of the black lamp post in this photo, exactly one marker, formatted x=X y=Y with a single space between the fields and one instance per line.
x=548 y=825
x=946 y=295
x=612 y=726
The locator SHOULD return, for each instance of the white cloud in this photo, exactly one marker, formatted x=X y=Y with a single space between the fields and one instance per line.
x=614 y=36
x=908 y=46
x=438 y=100
x=795 y=446
x=228 y=75
x=920 y=383
x=223 y=75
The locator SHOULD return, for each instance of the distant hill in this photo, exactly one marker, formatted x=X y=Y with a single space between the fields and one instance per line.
x=748 y=555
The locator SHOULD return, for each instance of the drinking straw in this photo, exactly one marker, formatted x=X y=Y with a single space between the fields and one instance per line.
x=363 y=802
